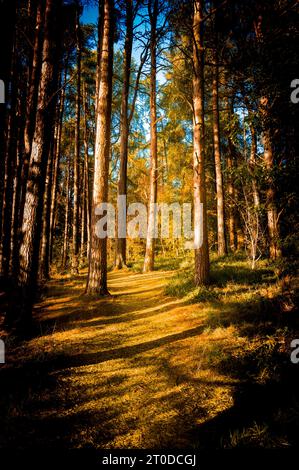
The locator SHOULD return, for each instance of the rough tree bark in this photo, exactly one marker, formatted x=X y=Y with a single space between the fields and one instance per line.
x=230 y=162
x=26 y=130
x=222 y=250
x=31 y=225
x=271 y=207
x=33 y=79
x=75 y=225
x=99 y=47
x=85 y=192
x=10 y=164
x=44 y=268
x=7 y=32
x=66 y=217
x=150 y=240
x=252 y=165
x=202 y=265
x=120 y=260
x=97 y=273
x=57 y=154
x=15 y=220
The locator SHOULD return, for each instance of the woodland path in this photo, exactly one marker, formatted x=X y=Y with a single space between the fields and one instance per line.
x=122 y=372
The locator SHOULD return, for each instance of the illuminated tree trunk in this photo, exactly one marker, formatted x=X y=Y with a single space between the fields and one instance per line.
x=86 y=171
x=232 y=198
x=124 y=133
x=252 y=165
x=75 y=242
x=217 y=156
x=199 y=195
x=29 y=111
x=97 y=273
x=271 y=207
x=230 y=162
x=57 y=154
x=34 y=74
x=99 y=46
x=66 y=218
x=33 y=209
x=45 y=240
x=83 y=208
x=150 y=240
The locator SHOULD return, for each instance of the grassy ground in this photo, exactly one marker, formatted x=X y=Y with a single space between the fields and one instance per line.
x=159 y=364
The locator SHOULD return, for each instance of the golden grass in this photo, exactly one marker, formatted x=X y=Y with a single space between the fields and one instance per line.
x=141 y=379
x=137 y=370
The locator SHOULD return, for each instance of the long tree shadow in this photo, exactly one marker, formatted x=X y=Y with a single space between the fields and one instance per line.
x=262 y=416
x=34 y=409
x=35 y=405
x=265 y=412
x=65 y=308
x=125 y=352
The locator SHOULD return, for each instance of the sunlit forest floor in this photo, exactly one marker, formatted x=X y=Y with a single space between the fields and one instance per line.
x=158 y=364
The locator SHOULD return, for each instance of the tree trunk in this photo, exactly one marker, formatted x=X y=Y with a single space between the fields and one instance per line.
x=44 y=245
x=252 y=165
x=7 y=32
x=15 y=219
x=86 y=171
x=31 y=226
x=75 y=243
x=99 y=47
x=124 y=132
x=55 y=175
x=33 y=87
x=222 y=250
x=83 y=216
x=66 y=218
x=271 y=207
x=27 y=106
x=31 y=106
x=150 y=240
x=10 y=165
x=200 y=209
x=230 y=157
x=97 y=273
x=232 y=197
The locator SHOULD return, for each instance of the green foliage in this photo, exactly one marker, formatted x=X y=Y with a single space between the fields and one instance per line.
x=232 y=271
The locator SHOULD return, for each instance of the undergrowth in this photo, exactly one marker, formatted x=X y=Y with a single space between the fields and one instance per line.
x=260 y=308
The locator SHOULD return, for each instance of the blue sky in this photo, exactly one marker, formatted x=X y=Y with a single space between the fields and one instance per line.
x=90 y=14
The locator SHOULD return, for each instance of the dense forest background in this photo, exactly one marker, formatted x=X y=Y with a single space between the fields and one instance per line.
x=174 y=101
